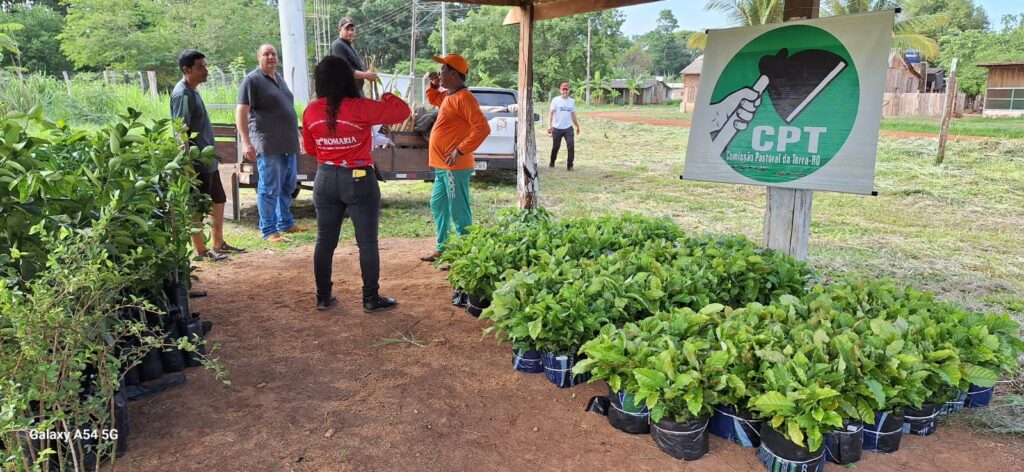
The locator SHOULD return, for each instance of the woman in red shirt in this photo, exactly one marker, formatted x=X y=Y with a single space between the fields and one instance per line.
x=336 y=129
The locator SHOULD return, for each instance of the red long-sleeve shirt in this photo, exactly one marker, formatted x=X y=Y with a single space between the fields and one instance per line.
x=352 y=140
x=460 y=124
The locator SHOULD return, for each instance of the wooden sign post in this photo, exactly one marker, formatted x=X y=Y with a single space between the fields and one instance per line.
x=787 y=212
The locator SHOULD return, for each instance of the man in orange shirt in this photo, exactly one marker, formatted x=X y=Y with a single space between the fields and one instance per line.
x=459 y=130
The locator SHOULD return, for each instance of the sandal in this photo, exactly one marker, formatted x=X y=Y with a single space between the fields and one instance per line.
x=225 y=247
x=212 y=255
x=432 y=257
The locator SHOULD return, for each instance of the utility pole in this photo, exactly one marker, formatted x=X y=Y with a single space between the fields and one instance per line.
x=412 y=43
x=588 y=62
x=444 y=32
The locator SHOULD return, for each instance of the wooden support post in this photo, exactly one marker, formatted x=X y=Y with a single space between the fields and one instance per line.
x=787 y=213
x=526 y=143
x=787 y=221
x=151 y=75
x=947 y=112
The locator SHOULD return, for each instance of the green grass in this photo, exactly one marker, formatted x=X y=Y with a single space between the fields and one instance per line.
x=1006 y=128
x=967 y=126
x=954 y=229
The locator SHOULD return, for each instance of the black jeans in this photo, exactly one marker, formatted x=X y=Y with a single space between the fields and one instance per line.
x=335 y=190
x=569 y=136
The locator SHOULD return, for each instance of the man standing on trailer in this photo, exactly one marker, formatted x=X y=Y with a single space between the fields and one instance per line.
x=343 y=48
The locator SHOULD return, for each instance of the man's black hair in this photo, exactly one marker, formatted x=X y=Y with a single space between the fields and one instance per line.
x=188 y=58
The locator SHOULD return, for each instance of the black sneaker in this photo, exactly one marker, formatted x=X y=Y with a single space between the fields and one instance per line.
x=323 y=303
x=378 y=303
x=460 y=298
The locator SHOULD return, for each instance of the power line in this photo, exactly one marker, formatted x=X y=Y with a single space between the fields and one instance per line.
x=394 y=19
x=385 y=17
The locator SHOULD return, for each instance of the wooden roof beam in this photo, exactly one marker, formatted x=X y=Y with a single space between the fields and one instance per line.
x=560 y=8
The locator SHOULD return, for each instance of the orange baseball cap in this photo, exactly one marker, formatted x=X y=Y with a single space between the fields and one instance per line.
x=454 y=61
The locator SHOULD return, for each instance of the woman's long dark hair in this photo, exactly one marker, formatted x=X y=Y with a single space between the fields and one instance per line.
x=335 y=81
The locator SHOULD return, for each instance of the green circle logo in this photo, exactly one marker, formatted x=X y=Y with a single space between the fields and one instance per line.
x=780 y=113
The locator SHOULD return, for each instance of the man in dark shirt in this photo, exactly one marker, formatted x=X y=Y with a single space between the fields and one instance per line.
x=187 y=105
x=342 y=47
x=268 y=129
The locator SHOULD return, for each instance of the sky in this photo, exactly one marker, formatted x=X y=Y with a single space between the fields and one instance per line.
x=691 y=15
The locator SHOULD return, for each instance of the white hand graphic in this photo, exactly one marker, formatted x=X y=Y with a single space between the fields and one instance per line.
x=733 y=113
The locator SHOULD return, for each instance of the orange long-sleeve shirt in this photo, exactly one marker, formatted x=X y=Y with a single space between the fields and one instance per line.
x=460 y=124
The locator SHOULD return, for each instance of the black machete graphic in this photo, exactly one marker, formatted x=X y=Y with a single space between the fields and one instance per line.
x=792 y=82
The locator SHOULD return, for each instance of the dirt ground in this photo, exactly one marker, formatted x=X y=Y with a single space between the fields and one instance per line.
x=453 y=404
x=629 y=116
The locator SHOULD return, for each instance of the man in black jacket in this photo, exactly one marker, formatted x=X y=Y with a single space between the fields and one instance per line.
x=342 y=47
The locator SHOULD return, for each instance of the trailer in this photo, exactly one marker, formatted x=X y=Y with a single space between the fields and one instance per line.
x=406 y=159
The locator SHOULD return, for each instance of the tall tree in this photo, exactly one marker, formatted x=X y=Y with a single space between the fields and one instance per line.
x=636 y=61
x=40 y=50
x=493 y=49
x=963 y=15
x=149 y=34
x=666 y=48
x=974 y=47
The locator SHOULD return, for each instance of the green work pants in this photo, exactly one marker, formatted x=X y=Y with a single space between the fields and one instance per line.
x=450 y=202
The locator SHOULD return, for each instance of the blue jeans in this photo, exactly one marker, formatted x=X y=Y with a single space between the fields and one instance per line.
x=274 y=192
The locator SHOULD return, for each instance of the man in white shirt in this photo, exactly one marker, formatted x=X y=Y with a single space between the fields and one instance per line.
x=561 y=119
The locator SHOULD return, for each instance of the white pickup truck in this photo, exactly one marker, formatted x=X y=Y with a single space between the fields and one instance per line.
x=407 y=160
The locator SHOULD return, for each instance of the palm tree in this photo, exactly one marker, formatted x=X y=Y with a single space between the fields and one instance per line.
x=906 y=32
x=599 y=87
x=759 y=12
x=743 y=13
x=633 y=86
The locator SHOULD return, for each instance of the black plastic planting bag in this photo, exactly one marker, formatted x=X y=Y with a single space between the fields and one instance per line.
x=558 y=368
x=687 y=441
x=528 y=361
x=954 y=404
x=172 y=357
x=779 y=454
x=739 y=428
x=177 y=294
x=921 y=422
x=885 y=434
x=147 y=389
x=194 y=331
x=630 y=418
x=477 y=305
x=121 y=423
x=844 y=446
x=152 y=366
x=625 y=415
x=978 y=397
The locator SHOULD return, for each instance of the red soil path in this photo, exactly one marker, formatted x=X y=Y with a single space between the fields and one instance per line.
x=454 y=404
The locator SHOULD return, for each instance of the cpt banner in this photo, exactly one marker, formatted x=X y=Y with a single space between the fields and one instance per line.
x=793 y=105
